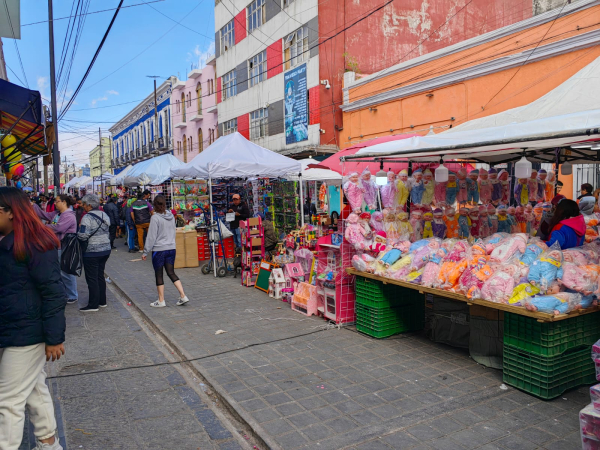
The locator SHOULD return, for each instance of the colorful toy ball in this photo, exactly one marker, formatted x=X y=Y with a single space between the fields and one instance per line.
x=8 y=141
x=11 y=155
x=17 y=170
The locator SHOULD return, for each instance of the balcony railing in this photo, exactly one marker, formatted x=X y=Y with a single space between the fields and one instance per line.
x=162 y=144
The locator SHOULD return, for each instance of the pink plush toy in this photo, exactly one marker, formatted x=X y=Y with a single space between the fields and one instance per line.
x=514 y=245
x=499 y=287
x=462 y=186
x=429 y=185
x=432 y=268
x=377 y=221
x=379 y=243
x=505 y=183
x=354 y=232
x=389 y=192
x=354 y=192
x=370 y=190
x=582 y=279
x=485 y=187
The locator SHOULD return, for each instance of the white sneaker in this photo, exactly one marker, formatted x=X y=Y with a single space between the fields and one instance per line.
x=158 y=304
x=182 y=301
x=55 y=446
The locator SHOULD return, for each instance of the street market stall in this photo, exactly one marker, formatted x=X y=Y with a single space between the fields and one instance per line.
x=119 y=179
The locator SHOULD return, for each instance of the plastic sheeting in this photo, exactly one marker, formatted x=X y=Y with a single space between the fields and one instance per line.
x=234 y=156
x=120 y=177
x=569 y=108
x=315 y=173
x=152 y=172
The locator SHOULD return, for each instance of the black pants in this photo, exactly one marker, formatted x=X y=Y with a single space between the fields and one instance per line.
x=94 y=276
x=112 y=234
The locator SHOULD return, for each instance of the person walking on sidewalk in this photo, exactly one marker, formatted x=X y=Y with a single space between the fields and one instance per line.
x=32 y=314
x=130 y=225
x=141 y=213
x=161 y=243
x=62 y=221
x=93 y=231
x=111 y=209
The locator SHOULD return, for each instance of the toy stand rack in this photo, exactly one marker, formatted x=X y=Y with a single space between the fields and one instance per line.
x=253 y=249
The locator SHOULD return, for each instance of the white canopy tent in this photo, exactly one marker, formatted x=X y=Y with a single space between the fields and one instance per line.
x=120 y=177
x=82 y=182
x=315 y=173
x=100 y=182
x=71 y=183
x=569 y=115
x=152 y=172
x=234 y=156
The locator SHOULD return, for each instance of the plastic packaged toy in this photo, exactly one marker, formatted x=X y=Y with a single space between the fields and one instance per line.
x=559 y=303
x=432 y=268
x=389 y=192
x=484 y=223
x=402 y=189
x=451 y=222
x=370 y=190
x=416 y=224
x=464 y=224
x=499 y=287
x=589 y=424
x=546 y=269
x=427 y=225
x=377 y=221
x=354 y=192
x=463 y=186
x=521 y=293
x=534 y=249
x=403 y=226
x=440 y=193
x=522 y=191
x=438 y=224
x=503 y=220
x=453 y=266
x=451 y=189
x=485 y=187
x=532 y=186
x=429 y=186
x=473 y=186
x=581 y=278
x=417 y=187
x=389 y=225
x=505 y=183
x=474 y=220
x=492 y=219
x=496 y=186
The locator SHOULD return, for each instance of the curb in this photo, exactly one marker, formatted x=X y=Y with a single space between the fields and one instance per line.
x=257 y=431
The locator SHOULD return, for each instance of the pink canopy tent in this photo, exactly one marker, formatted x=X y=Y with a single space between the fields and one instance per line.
x=334 y=163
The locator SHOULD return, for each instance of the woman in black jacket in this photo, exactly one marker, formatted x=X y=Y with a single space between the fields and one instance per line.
x=32 y=320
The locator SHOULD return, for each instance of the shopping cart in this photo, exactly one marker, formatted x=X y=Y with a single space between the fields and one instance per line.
x=215 y=239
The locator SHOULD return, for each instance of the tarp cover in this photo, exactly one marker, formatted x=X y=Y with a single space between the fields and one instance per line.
x=315 y=173
x=120 y=177
x=82 y=182
x=152 y=172
x=72 y=182
x=234 y=156
x=14 y=100
x=570 y=107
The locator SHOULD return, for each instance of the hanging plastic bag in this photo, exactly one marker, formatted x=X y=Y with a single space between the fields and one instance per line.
x=71 y=258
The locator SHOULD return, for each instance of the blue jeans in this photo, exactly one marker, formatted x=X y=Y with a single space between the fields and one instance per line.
x=131 y=237
x=237 y=240
x=69 y=281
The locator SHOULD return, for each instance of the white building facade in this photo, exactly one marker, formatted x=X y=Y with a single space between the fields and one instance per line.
x=144 y=133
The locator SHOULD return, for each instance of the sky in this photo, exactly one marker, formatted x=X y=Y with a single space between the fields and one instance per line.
x=157 y=37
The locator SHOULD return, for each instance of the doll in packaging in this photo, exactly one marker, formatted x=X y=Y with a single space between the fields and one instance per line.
x=429 y=186
x=521 y=219
x=514 y=225
x=538 y=211
x=550 y=186
x=529 y=217
x=532 y=186
x=438 y=224
x=432 y=268
x=370 y=191
x=522 y=191
x=505 y=183
x=354 y=233
x=421 y=256
x=546 y=269
x=417 y=187
x=402 y=189
x=464 y=223
x=417 y=225
x=451 y=189
x=389 y=192
x=389 y=225
x=496 y=186
x=463 y=186
x=583 y=279
x=477 y=271
x=440 y=192
x=427 y=225
x=473 y=186
x=500 y=286
x=541 y=184
x=521 y=293
x=513 y=246
x=354 y=192
x=451 y=221
x=485 y=187
x=484 y=222
x=534 y=249
x=558 y=303
x=403 y=225
x=492 y=218
x=453 y=266
x=363 y=221
x=377 y=221
x=503 y=220
x=474 y=220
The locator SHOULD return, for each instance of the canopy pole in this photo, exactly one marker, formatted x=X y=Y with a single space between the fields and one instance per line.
x=211 y=232
x=302 y=201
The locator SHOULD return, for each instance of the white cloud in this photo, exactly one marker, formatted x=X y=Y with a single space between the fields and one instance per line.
x=42 y=84
x=99 y=99
x=199 y=56
x=112 y=92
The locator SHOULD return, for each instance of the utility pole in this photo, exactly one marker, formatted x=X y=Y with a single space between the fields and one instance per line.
x=101 y=160
x=66 y=169
x=55 y=151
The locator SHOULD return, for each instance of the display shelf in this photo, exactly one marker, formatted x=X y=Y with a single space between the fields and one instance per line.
x=539 y=316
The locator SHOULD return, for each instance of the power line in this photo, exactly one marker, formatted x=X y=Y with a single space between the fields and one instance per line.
x=15 y=42
x=178 y=23
x=17 y=76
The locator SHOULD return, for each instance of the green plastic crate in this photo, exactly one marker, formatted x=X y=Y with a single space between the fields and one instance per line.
x=551 y=338
x=376 y=294
x=548 y=377
x=385 y=322
x=380 y=333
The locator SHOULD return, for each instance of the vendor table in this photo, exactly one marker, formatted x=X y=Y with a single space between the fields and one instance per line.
x=541 y=317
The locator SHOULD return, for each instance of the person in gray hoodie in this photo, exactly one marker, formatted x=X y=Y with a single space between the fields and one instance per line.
x=161 y=242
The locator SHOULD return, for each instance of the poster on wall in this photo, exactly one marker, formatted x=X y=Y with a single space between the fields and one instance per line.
x=296 y=105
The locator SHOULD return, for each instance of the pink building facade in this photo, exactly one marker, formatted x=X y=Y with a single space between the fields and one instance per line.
x=194 y=112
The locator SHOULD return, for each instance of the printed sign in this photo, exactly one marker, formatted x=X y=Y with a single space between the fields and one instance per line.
x=296 y=105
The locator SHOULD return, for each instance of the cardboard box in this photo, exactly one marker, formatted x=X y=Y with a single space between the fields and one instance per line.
x=180 y=249
x=191 y=248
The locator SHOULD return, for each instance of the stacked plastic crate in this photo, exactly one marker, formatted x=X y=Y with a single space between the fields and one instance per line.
x=383 y=310
x=589 y=417
x=547 y=358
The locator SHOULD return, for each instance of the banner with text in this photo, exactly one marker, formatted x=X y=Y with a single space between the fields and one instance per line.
x=296 y=105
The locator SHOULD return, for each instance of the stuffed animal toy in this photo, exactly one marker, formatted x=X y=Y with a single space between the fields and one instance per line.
x=417 y=225
x=438 y=225
x=473 y=186
x=496 y=186
x=521 y=293
x=533 y=251
x=453 y=266
x=484 y=222
x=404 y=227
x=475 y=224
x=377 y=221
x=370 y=191
x=389 y=192
x=532 y=186
x=451 y=222
x=464 y=223
x=429 y=186
x=451 y=189
x=389 y=225
x=500 y=286
x=379 y=242
x=354 y=232
x=463 y=186
x=403 y=187
x=440 y=193
x=354 y=192
x=514 y=226
x=522 y=191
x=427 y=225
x=485 y=187
x=546 y=269
x=505 y=183
x=492 y=219
x=550 y=186
x=521 y=219
x=417 y=187
x=560 y=303
x=514 y=245
x=541 y=184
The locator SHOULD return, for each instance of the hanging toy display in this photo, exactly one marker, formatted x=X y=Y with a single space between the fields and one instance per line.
x=429 y=186
x=522 y=191
x=370 y=191
x=463 y=186
x=485 y=187
x=496 y=186
x=550 y=186
x=532 y=185
x=505 y=186
x=541 y=184
x=417 y=187
x=402 y=189
x=451 y=189
x=354 y=192
x=473 y=187
x=323 y=205
x=389 y=191
x=16 y=170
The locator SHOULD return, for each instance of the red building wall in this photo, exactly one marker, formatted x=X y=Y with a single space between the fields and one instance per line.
x=219 y=90
x=243 y=124
x=314 y=106
x=274 y=58
x=239 y=26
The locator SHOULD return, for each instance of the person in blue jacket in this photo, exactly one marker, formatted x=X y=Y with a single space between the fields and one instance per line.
x=567 y=225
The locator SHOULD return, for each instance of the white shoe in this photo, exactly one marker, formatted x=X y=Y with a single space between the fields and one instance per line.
x=182 y=301
x=158 y=304
x=55 y=446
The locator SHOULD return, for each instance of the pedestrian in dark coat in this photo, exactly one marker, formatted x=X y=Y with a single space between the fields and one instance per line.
x=111 y=210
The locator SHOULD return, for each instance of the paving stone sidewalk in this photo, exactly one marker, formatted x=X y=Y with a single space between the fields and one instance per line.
x=300 y=385
x=141 y=408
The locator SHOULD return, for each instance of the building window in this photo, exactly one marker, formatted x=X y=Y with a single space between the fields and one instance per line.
x=296 y=47
x=227 y=37
x=287 y=3
x=229 y=87
x=199 y=98
x=230 y=126
x=166 y=124
x=183 y=107
x=257 y=68
x=258 y=123
x=256 y=15
x=200 y=141
x=184 y=149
